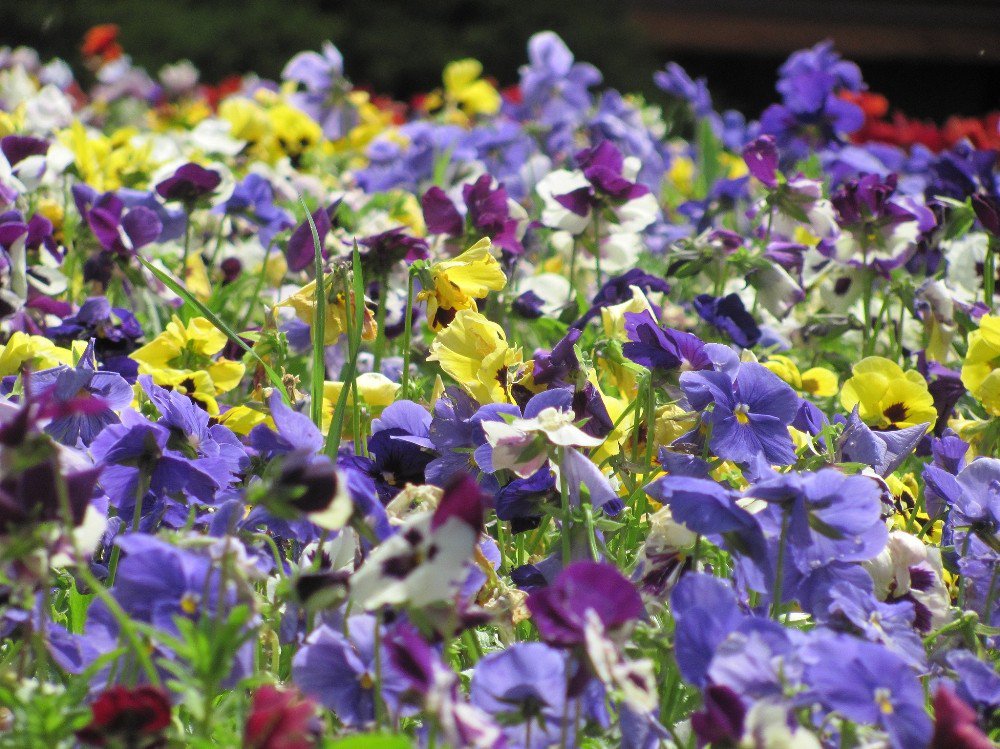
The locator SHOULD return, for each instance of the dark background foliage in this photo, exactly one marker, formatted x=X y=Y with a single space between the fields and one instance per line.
x=931 y=59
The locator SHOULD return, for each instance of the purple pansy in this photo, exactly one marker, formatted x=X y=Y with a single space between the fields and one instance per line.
x=751 y=411
x=560 y=610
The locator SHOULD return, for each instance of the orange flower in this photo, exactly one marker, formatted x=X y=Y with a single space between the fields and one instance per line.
x=101 y=43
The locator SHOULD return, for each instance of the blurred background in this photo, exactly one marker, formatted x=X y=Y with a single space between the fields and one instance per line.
x=931 y=58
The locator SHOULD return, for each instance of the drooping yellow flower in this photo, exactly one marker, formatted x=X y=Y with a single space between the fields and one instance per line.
x=816 y=381
x=181 y=358
x=474 y=352
x=375 y=389
x=980 y=372
x=464 y=87
x=303 y=302
x=242 y=419
x=459 y=282
x=34 y=351
x=886 y=396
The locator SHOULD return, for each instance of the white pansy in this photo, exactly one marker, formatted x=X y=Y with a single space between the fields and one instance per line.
x=416 y=566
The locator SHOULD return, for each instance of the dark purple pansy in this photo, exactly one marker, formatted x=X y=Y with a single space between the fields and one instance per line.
x=189 y=184
x=16 y=148
x=300 y=252
x=383 y=251
x=761 y=157
x=560 y=610
x=116 y=229
x=728 y=315
x=440 y=214
x=720 y=720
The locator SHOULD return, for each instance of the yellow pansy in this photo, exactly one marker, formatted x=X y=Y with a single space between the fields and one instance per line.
x=372 y=122
x=376 y=390
x=980 y=373
x=242 y=419
x=294 y=130
x=672 y=422
x=181 y=358
x=613 y=316
x=34 y=351
x=303 y=302
x=681 y=174
x=109 y=162
x=456 y=284
x=474 y=352
x=464 y=87
x=816 y=381
x=886 y=396
x=247 y=120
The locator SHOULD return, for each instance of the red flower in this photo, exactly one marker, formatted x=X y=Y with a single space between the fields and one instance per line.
x=955 y=724
x=101 y=42
x=280 y=719
x=134 y=716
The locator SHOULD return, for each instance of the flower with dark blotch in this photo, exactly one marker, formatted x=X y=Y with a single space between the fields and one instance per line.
x=524 y=689
x=425 y=561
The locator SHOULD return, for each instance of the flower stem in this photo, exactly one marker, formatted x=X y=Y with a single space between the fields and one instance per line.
x=567 y=517
x=407 y=333
x=779 y=572
x=383 y=294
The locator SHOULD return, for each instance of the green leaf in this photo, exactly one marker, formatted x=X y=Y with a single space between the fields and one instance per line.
x=175 y=286
x=318 y=327
x=371 y=741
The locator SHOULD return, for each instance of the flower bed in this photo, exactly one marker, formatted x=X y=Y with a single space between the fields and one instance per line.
x=543 y=416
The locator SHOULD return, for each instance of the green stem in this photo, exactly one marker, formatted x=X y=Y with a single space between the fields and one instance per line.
x=867 y=333
x=142 y=486
x=187 y=246
x=383 y=295
x=989 y=273
x=318 y=327
x=567 y=517
x=407 y=333
x=779 y=572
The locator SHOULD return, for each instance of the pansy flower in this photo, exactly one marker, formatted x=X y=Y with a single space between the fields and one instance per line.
x=458 y=283
x=887 y=396
x=474 y=352
x=339 y=670
x=868 y=683
x=182 y=358
x=117 y=230
x=80 y=400
x=751 y=411
x=424 y=561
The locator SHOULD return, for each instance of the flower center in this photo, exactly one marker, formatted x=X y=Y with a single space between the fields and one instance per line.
x=895 y=413
x=553 y=418
x=189 y=603
x=741 y=412
x=882 y=699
